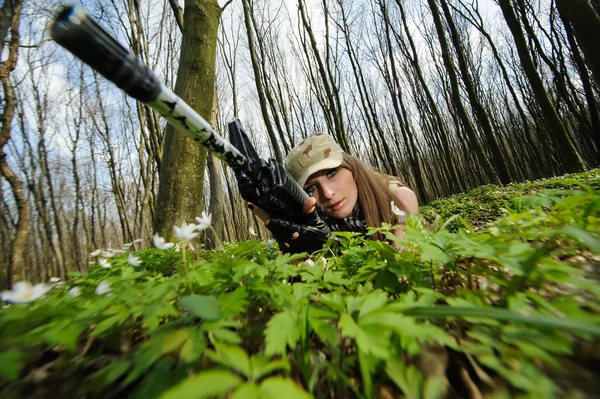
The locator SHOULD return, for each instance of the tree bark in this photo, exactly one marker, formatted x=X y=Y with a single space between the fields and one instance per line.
x=180 y=192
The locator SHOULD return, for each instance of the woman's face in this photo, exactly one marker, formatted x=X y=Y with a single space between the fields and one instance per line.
x=335 y=190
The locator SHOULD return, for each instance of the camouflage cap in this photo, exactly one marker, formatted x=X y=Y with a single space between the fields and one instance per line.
x=315 y=153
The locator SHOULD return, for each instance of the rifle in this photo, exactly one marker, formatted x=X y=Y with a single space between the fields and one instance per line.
x=264 y=183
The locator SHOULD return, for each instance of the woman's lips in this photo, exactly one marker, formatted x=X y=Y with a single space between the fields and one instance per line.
x=337 y=206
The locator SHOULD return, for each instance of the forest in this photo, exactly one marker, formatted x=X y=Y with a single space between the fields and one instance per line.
x=487 y=109
x=421 y=90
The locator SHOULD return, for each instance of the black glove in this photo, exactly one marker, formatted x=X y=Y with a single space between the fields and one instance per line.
x=268 y=185
x=313 y=233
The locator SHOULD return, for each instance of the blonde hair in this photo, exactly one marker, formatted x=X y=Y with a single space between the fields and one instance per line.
x=374 y=194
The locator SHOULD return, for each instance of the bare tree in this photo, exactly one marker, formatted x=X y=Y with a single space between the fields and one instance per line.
x=9 y=22
x=182 y=170
x=563 y=143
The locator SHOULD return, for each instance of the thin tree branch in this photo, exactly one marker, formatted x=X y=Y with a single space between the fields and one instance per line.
x=178 y=13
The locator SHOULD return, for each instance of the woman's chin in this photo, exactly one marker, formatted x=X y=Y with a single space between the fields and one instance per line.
x=340 y=213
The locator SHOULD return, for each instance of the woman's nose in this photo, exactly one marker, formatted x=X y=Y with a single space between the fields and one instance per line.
x=328 y=191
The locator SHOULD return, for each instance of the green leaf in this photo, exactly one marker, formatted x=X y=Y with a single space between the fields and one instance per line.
x=234 y=303
x=108 y=323
x=248 y=390
x=507 y=315
x=204 y=307
x=159 y=379
x=324 y=330
x=583 y=237
x=204 y=385
x=64 y=333
x=334 y=300
x=373 y=301
x=194 y=347
x=369 y=340
x=174 y=341
x=283 y=329
x=261 y=366
x=408 y=379
x=233 y=357
x=226 y=336
x=434 y=388
x=116 y=370
x=279 y=387
x=11 y=362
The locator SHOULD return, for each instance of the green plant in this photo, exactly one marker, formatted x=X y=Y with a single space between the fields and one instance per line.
x=507 y=308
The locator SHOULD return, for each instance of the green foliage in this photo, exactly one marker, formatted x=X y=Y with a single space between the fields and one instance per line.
x=497 y=293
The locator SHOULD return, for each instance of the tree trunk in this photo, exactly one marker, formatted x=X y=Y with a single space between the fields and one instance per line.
x=180 y=192
x=10 y=18
x=562 y=141
x=586 y=23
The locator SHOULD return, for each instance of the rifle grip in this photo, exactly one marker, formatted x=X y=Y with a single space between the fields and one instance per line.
x=74 y=30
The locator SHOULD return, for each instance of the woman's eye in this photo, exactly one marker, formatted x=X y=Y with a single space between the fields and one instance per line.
x=309 y=190
x=332 y=172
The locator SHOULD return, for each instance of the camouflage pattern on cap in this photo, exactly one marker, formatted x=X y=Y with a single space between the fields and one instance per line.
x=313 y=154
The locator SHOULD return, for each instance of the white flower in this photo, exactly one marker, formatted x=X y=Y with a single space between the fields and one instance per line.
x=137 y=241
x=133 y=260
x=398 y=212
x=310 y=262
x=23 y=291
x=284 y=281
x=54 y=279
x=127 y=245
x=104 y=263
x=252 y=232
x=108 y=253
x=74 y=292
x=102 y=288
x=270 y=243
x=118 y=251
x=160 y=243
x=185 y=232
x=95 y=253
x=204 y=222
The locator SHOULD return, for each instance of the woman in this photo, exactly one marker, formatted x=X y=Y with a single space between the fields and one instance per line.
x=344 y=189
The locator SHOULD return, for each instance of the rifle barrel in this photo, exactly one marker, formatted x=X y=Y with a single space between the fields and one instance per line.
x=88 y=41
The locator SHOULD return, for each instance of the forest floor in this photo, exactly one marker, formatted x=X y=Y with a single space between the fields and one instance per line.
x=495 y=294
